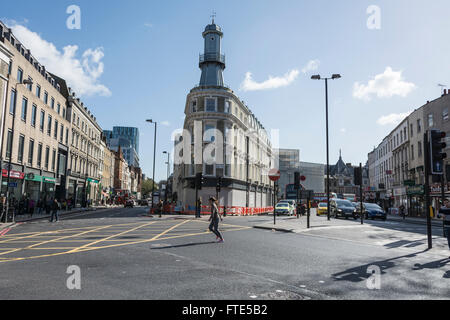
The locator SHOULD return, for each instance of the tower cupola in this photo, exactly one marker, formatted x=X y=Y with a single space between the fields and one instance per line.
x=212 y=61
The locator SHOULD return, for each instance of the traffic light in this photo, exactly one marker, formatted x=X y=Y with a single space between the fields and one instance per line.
x=437 y=153
x=358 y=176
x=219 y=184
x=199 y=180
x=297 y=180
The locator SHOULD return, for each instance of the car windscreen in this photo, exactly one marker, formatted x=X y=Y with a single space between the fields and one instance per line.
x=372 y=206
x=344 y=203
x=282 y=205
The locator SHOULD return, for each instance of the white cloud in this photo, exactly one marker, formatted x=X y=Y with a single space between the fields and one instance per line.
x=392 y=119
x=311 y=66
x=272 y=83
x=165 y=123
x=385 y=85
x=148 y=25
x=343 y=130
x=82 y=75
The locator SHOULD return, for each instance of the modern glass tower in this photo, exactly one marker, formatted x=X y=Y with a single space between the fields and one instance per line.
x=127 y=138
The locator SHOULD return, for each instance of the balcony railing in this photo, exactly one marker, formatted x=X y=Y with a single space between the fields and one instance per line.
x=213 y=57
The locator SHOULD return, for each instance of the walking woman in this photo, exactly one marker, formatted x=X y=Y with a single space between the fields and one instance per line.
x=214 y=218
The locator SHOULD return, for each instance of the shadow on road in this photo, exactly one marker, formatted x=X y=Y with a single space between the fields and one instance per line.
x=432 y=265
x=360 y=273
x=185 y=245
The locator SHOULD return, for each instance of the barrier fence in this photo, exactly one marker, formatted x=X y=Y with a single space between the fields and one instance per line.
x=206 y=210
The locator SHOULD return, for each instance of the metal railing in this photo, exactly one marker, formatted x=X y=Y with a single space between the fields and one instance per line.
x=214 y=57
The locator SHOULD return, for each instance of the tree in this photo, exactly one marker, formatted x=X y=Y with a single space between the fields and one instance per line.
x=147 y=187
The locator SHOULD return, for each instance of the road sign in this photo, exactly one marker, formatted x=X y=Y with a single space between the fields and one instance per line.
x=409 y=183
x=303 y=178
x=12 y=185
x=274 y=174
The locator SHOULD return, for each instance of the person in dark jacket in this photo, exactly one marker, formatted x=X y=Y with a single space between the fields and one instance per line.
x=214 y=219
x=445 y=213
x=55 y=208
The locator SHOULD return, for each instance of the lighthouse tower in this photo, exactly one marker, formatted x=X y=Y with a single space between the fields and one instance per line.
x=212 y=62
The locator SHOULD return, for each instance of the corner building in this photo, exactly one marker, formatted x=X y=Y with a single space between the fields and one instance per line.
x=222 y=138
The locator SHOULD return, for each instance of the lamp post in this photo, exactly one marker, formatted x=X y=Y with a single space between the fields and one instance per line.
x=333 y=77
x=25 y=82
x=168 y=172
x=154 y=160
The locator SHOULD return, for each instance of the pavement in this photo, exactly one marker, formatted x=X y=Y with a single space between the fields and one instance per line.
x=292 y=224
x=125 y=254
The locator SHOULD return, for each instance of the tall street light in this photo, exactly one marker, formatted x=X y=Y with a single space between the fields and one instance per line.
x=25 y=82
x=154 y=160
x=333 y=77
x=168 y=172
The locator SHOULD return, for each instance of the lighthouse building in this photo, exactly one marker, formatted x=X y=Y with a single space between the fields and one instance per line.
x=222 y=139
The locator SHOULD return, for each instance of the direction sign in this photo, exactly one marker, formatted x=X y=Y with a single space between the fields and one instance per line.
x=12 y=185
x=274 y=174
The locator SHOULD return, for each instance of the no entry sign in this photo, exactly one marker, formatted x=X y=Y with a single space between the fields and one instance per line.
x=274 y=174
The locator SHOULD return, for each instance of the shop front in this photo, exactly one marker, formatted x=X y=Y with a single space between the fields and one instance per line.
x=33 y=186
x=16 y=180
x=48 y=188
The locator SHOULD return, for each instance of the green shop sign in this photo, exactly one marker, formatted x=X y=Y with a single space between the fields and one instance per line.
x=93 y=180
x=416 y=191
x=33 y=177
x=409 y=183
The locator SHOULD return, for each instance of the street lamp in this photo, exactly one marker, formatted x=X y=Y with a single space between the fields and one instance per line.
x=25 y=82
x=168 y=171
x=333 y=77
x=154 y=160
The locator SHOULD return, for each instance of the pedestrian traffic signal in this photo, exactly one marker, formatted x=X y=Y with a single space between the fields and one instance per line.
x=437 y=153
x=297 y=180
x=358 y=176
x=199 y=180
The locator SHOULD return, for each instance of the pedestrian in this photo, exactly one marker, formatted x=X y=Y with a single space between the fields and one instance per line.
x=445 y=213
x=55 y=208
x=303 y=210
x=160 y=206
x=31 y=205
x=402 y=211
x=198 y=208
x=214 y=218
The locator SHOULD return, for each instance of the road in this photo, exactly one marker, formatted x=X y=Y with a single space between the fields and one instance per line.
x=123 y=254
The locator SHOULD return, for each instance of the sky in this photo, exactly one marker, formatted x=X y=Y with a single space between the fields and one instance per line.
x=135 y=60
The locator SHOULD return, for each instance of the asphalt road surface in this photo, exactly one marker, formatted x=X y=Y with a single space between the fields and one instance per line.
x=123 y=254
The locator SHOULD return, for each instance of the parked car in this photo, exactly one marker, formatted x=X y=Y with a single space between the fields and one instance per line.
x=129 y=204
x=322 y=209
x=342 y=208
x=284 y=208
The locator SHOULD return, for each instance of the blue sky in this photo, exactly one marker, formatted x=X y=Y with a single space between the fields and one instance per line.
x=149 y=55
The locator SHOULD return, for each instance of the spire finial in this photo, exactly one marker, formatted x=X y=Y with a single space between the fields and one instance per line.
x=340 y=153
x=213 y=16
